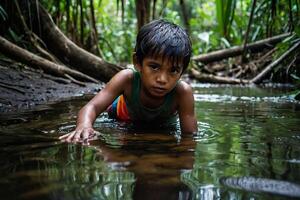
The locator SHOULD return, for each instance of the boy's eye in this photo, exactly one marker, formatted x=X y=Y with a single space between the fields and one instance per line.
x=154 y=67
x=175 y=70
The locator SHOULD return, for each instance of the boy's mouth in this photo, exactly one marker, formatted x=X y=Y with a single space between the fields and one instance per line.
x=159 y=89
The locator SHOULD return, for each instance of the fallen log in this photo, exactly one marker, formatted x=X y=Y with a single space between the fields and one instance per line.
x=69 y=53
x=258 y=78
x=238 y=50
x=209 y=78
x=22 y=55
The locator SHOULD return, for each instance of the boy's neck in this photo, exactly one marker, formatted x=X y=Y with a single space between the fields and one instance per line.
x=150 y=101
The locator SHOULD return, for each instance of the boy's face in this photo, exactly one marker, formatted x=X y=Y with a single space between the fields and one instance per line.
x=159 y=76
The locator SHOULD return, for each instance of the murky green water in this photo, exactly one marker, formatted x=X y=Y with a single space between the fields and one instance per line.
x=247 y=147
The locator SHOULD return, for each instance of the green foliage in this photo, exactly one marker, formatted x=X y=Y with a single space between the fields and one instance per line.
x=14 y=36
x=3 y=14
x=116 y=36
x=225 y=12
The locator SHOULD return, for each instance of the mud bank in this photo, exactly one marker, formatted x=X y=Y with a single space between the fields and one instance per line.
x=24 y=88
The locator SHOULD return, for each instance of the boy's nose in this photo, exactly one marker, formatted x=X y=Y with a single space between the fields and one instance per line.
x=162 y=78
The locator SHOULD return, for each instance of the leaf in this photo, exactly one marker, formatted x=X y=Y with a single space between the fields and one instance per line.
x=3 y=13
x=227 y=44
x=219 y=9
x=294 y=76
x=14 y=36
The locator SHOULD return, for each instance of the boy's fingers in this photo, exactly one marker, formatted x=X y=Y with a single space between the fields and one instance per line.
x=85 y=135
x=76 y=136
x=70 y=136
x=65 y=135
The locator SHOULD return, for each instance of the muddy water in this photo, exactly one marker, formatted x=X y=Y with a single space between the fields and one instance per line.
x=247 y=147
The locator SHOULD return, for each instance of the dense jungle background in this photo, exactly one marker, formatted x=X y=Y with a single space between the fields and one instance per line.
x=56 y=54
x=80 y=42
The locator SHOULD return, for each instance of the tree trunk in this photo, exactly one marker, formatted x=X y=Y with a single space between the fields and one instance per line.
x=95 y=46
x=247 y=32
x=142 y=12
x=71 y=54
x=237 y=50
x=185 y=15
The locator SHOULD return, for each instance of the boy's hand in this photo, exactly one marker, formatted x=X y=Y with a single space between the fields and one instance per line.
x=79 y=135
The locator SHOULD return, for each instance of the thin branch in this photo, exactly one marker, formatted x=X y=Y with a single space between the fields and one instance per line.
x=261 y=75
x=237 y=50
x=216 y=79
x=75 y=81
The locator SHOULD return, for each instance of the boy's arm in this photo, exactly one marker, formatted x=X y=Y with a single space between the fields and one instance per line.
x=88 y=114
x=188 y=121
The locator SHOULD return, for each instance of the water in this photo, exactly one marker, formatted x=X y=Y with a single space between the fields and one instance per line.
x=247 y=147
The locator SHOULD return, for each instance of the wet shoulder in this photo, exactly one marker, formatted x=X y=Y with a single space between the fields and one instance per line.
x=183 y=94
x=128 y=75
x=183 y=88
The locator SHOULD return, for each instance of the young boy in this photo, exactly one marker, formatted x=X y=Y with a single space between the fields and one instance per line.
x=153 y=94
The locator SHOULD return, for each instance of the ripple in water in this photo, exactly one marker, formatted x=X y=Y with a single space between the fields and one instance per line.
x=205 y=133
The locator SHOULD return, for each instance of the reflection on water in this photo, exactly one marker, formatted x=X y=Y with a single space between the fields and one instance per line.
x=247 y=147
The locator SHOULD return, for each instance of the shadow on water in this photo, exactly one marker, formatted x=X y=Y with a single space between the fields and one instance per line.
x=247 y=147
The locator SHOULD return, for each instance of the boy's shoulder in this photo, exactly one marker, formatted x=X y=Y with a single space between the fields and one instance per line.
x=183 y=88
x=127 y=74
x=184 y=95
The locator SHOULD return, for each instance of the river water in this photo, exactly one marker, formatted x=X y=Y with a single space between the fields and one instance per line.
x=247 y=147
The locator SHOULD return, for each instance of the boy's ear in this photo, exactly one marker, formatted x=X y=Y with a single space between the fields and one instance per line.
x=136 y=64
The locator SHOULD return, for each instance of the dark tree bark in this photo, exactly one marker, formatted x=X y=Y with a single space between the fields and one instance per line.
x=247 y=32
x=153 y=9
x=94 y=31
x=68 y=25
x=142 y=12
x=185 y=15
x=81 y=21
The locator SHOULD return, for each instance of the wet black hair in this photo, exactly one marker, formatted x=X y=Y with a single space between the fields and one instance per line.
x=166 y=39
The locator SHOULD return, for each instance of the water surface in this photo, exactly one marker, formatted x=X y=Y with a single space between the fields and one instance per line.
x=247 y=147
